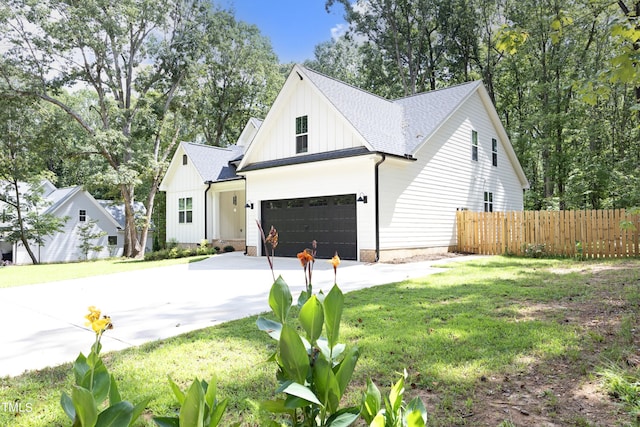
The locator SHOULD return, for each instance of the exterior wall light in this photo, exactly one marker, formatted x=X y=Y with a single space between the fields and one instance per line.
x=249 y=205
x=362 y=198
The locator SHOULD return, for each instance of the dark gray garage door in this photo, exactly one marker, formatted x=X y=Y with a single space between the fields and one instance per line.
x=330 y=220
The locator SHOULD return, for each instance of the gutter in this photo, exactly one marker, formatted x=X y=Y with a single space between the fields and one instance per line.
x=205 y=208
x=377 y=191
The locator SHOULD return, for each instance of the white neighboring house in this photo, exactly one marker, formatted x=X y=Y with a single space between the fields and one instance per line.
x=370 y=178
x=80 y=207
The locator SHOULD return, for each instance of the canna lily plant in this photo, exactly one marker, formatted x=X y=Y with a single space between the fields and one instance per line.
x=314 y=370
x=95 y=400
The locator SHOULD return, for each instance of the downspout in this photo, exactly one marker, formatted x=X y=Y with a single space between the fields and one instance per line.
x=377 y=191
x=205 y=208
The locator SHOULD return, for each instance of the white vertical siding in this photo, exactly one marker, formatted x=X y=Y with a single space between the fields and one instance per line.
x=184 y=181
x=328 y=130
x=332 y=177
x=64 y=246
x=419 y=199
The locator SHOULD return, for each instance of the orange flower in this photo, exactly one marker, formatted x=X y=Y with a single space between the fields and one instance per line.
x=305 y=257
x=335 y=261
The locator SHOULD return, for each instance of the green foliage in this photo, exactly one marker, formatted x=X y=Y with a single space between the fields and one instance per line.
x=199 y=406
x=313 y=371
x=87 y=233
x=622 y=386
x=229 y=248
x=395 y=413
x=177 y=252
x=95 y=400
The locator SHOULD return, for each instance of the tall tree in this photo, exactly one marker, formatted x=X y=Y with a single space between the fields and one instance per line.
x=22 y=166
x=235 y=79
x=133 y=54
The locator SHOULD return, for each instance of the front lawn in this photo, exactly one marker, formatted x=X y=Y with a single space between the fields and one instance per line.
x=18 y=275
x=497 y=341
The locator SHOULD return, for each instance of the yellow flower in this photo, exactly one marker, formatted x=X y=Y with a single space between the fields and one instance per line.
x=94 y=314
x=101 y=325
x=97 y=324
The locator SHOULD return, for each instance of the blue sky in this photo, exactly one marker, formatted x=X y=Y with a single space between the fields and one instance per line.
x=294 y=27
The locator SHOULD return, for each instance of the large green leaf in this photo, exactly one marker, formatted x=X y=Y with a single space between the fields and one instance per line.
x=138 y=410
x=85 y=406
x=80 y=368
x=312 y=318
x=114 y=394
x=416 y=406
x=371 y=402
x=176 y=391
x=210 y=391
x=327 y=387
x=280 y=299
x=218 y=411
x=67 y=406
x=275 y=406
x=98 y=381
x=293 y=355
x=167 y=421
x=271 y=327
x=345 y=371
x=192 y=410
x=414 y=419
x=302 y=392
x=395 y=394
x=343 y=418
x=333 y=305
x=118 y=415
x=378 y=421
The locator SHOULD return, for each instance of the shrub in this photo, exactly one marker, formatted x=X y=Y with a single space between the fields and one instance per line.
x=229 y=248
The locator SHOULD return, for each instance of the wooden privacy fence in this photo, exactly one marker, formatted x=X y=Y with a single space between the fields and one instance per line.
x=588 y=234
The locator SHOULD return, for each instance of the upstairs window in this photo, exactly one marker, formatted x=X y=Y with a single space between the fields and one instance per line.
x=301 y=134
x=82 y=215
x=488 y=201
x=494 y=151
x=184 y=159
x=474 y=145
x=185 y=210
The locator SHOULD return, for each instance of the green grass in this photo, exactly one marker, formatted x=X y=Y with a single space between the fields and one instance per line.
x=451 y=331
x=19 y=275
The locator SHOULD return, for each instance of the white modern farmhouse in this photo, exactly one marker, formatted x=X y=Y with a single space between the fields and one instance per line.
x=368 y=178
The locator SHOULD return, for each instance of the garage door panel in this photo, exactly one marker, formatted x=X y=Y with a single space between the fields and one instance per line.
x=330 y=220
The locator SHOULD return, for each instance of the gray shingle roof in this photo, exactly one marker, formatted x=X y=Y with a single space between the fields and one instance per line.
x=212 y=163
x=392 y=126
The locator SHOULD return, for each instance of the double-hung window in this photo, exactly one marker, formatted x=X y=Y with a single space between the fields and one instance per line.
x=302 y=134
x=185 y=210
x=494 y=151
x=474 y=145
x=488 y=201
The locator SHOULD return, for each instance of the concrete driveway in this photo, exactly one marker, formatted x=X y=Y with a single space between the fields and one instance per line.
x=43 y=325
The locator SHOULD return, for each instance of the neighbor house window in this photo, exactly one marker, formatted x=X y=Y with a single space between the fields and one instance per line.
x=494 y=151
x=474 y=145
x=184 y=159
x=488 y=201
x=301 y=134
x=185 y=210
x=82 y=215
x=112 y=241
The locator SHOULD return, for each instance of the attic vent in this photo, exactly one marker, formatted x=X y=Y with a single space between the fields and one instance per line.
x=184 y=159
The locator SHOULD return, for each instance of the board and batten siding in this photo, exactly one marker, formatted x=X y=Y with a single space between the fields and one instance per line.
x=419 y=200
x=185 y=182
x=64 y=246
x=327 y=130
x=352 y=175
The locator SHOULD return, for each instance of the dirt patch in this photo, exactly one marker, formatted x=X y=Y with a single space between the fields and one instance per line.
x=425 y=257
x=564 y=391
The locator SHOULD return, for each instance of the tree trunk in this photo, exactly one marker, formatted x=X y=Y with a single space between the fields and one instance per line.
x=23 y=239
x=131 y=244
